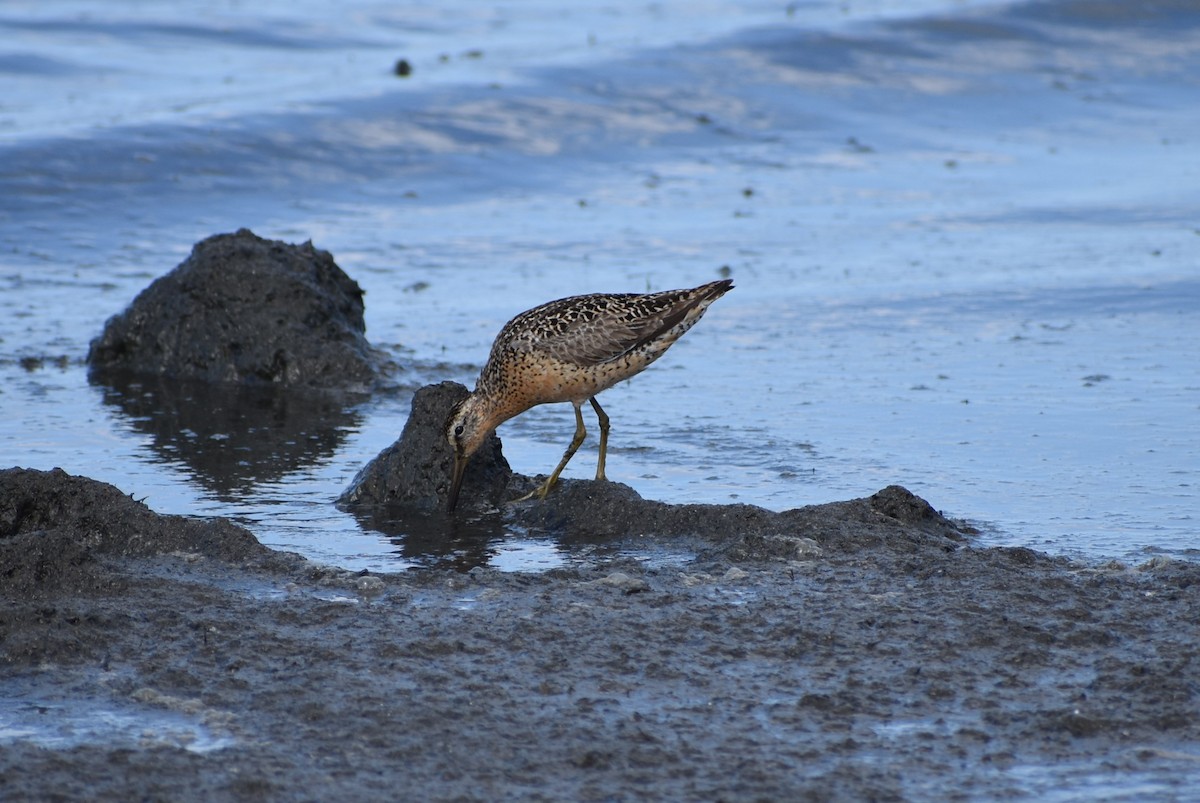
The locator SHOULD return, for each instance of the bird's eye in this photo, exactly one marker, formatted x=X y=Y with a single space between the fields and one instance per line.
x=458 y=431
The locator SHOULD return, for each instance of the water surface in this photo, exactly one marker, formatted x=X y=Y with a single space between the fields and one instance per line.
x=964 y=238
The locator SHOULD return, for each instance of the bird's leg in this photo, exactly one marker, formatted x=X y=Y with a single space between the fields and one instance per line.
x=603 y=418
x=543 y=489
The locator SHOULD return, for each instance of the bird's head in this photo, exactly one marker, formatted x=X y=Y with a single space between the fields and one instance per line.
x=466 y=429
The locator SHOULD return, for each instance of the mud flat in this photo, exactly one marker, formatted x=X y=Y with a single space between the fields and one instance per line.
x=858 y=650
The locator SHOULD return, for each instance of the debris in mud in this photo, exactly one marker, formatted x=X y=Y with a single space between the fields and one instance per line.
x=245 y=309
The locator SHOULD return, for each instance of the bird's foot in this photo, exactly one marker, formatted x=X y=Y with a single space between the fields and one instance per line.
x=540 y=492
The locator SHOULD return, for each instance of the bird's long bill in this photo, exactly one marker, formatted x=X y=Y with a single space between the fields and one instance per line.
x=460 y=467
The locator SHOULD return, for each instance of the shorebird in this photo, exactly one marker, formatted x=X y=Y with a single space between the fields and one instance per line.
x=569 y=350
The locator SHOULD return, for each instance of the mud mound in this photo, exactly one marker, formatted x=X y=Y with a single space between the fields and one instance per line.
x=245 y=309
x=414 y=471
x=56 y=530
x=598 y=510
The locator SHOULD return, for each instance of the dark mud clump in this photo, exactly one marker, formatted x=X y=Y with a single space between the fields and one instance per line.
x=860 y=650
x=248 y=310
x=60 y=533
x=414 y=472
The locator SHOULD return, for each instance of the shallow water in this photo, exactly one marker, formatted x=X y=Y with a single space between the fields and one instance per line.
x=964 y=239
x=60 y=724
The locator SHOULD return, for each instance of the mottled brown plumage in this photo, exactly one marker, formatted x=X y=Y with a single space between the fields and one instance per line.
x=568 y=351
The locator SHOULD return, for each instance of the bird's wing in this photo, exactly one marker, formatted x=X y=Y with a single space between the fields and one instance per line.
x=598 y=329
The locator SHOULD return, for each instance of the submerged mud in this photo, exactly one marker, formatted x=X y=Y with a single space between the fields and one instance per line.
x=859 y=650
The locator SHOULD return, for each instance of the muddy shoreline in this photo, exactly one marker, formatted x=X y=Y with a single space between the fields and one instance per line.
x=902 y=664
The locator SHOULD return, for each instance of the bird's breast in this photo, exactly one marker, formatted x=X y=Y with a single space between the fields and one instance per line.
x=536 y=378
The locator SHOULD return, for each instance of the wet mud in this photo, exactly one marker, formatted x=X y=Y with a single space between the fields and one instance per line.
x=858 y=650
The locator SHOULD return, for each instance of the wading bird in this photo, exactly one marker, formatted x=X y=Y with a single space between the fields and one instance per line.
x=569 y=350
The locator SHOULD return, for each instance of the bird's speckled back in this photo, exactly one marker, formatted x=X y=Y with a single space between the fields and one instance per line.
x=573 y=348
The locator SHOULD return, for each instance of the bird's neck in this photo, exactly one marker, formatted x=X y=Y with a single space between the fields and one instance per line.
x=489 y=409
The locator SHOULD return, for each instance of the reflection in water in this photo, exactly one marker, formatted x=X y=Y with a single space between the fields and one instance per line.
x=435 y=539
x=233 y=437
x=497 y=540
